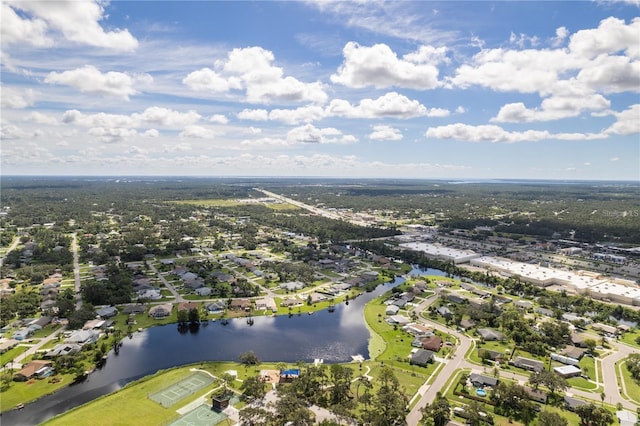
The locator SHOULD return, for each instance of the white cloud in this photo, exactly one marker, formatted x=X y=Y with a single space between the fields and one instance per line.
x=16 y=29
x=309 y=134
x=76 y=20
x=264 y=142
x=197 y=132
x=252 y=69
x=461 y=110
x=208 y=79
x=10 y=131
x=156 y=116
x=627 y=123
x=253 y=114
x=100 y=119
x=111 y=134
x=614 y=159
x=553 y=108
x=89 y=79
x=391 y=104
x=611 y=74
x=167 y=117
x=151 y=133
x=179 y=147
x=40 y=118
x=219 y=118
x=611 y=36
x=305 y=114
x=570 y=80
x=17 y=99
x=561 y=35
x=491 y=133
x=385 y=133
x=380 y=67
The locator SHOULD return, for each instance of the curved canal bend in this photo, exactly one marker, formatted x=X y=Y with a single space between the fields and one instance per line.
x=331 y=336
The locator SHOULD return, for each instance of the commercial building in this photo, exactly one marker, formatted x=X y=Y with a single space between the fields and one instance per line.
x=440 y=252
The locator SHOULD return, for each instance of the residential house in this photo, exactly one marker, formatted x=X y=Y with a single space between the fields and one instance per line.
x=187 y=306
x=572 y=403
x=528 y=364
x=489 y=334
x=607 y=329
x=546 y=312
x=524 y=305
x=22 y=334
x=216 y=307
x=417 y=329
x=36 y=368
x=398 y=319
x=93 y=324
x=567 y=371
x=266 y=304
x=291 y=301
x=578 y=340
x=161 y=311
x=292 y=286
x=134 y=309
x=392 y=310
x=432 y=343
x=400 y=303
x=626 y=418
x=422 y=357
x=369 y=276
x=444 y=311
x=480 y=381
x=82 y=337
x=63 y=349
x=240 y=305
x=107 y=312
x=203 y=291
x=466 y=324
x=149 y=294
x=456 y=298
x=492 y=355
x=573 y=352
x=565 y=359
x=536 y=395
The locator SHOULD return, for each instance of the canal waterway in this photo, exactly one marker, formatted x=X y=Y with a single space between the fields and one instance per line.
x=330 y=336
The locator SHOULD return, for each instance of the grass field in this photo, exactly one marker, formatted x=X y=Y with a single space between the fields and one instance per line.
x=28 y=391
x=631 y=386
x=11 y=354
x=130 y=403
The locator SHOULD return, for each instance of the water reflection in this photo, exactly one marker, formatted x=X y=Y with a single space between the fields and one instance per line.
x=334 y=337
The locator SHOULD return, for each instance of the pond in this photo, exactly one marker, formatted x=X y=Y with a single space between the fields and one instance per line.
x=331 y=336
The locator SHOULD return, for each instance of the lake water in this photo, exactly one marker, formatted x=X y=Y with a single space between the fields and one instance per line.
x=331 y=336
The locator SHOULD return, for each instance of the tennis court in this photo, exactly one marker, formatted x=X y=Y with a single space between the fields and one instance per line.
x=201 y=416
x=185 y=387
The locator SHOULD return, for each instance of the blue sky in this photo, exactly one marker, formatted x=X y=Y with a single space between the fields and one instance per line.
x=527 y=90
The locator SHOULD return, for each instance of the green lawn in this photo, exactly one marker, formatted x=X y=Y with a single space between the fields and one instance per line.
x=20 y=392
x=11 y=354
x=580 y=383
x=630 y=338
x=131 y=402
x=631 y=386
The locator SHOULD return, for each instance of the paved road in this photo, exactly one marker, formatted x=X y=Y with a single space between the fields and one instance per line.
x=76 y=270
x=316 y=210
x=16 y=363
x=176 y=295
x=12 y=247
x=611 y=390
x=428 y=392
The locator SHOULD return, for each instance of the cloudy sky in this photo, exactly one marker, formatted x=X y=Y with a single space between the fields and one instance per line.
x=534 y=90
